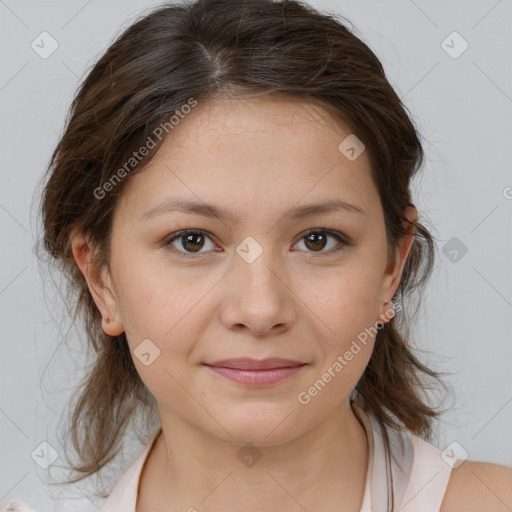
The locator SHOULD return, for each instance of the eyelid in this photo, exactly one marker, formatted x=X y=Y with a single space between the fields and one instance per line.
x=340 y=237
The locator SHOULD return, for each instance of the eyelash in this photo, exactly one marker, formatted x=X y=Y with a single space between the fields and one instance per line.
x=179 y=234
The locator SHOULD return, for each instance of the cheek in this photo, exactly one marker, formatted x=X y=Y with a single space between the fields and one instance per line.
x=164 y=308
x=160 y=328
x=348 y=313
x=347 y=303
x=151 y=297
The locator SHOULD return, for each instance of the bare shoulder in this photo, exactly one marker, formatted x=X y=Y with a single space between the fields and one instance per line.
x=479 y=487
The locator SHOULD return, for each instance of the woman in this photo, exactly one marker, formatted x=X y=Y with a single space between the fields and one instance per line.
x=209 y=154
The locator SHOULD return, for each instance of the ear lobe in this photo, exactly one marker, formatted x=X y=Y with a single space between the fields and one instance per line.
x=99 y=282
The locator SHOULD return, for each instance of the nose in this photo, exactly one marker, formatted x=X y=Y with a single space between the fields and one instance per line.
x=259 y=295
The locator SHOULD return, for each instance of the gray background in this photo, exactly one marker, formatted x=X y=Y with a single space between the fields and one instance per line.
x=462 y=106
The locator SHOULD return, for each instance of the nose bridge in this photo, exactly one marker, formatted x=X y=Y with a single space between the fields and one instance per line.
x=257 y=289
x=261 y=296
x=256 y=262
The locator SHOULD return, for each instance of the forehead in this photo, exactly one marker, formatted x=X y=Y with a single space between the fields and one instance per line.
x=254 y=151
x=218 y=119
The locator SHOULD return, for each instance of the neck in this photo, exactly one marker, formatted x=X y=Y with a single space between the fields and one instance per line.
x=322 y=469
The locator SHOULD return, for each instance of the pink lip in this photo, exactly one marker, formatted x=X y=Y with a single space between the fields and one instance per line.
x=256 y=377
x=253 y=372
x=247 y=363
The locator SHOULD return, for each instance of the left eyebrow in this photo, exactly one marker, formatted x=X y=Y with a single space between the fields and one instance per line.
x=213 y=211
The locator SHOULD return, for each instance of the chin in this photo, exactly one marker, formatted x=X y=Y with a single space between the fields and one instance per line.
x=261 y=428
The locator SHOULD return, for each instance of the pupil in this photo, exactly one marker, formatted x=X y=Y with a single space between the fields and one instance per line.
x=190 y=238
x=313 y=235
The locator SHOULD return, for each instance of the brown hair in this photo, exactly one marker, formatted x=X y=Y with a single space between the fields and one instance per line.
x=227 y=48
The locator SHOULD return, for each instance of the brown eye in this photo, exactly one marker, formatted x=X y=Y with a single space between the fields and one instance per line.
x=317 y=240
x=186 y=243
x=189 y=242
x=194 y=241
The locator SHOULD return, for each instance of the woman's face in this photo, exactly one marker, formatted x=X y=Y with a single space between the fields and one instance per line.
x=253 y=283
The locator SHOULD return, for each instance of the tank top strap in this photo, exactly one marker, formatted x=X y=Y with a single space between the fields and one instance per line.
x=387 y=473
x=398 y=463
x=429 y=479
x=414 y=471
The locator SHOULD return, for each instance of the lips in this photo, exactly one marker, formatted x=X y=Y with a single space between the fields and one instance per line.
x=256 y=364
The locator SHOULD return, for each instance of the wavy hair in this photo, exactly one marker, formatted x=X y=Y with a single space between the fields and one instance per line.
x=227 y=48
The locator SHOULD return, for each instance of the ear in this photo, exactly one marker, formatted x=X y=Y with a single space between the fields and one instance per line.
x=394 y=268
x=100 y=286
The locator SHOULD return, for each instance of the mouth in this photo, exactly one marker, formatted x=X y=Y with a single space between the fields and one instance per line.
x=256 y=373
x=247 y=363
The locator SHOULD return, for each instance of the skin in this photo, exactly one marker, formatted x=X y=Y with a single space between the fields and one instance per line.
x=258 y=158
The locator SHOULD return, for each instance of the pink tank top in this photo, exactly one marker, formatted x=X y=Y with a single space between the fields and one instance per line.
x=419 y=479
x=419 y=474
